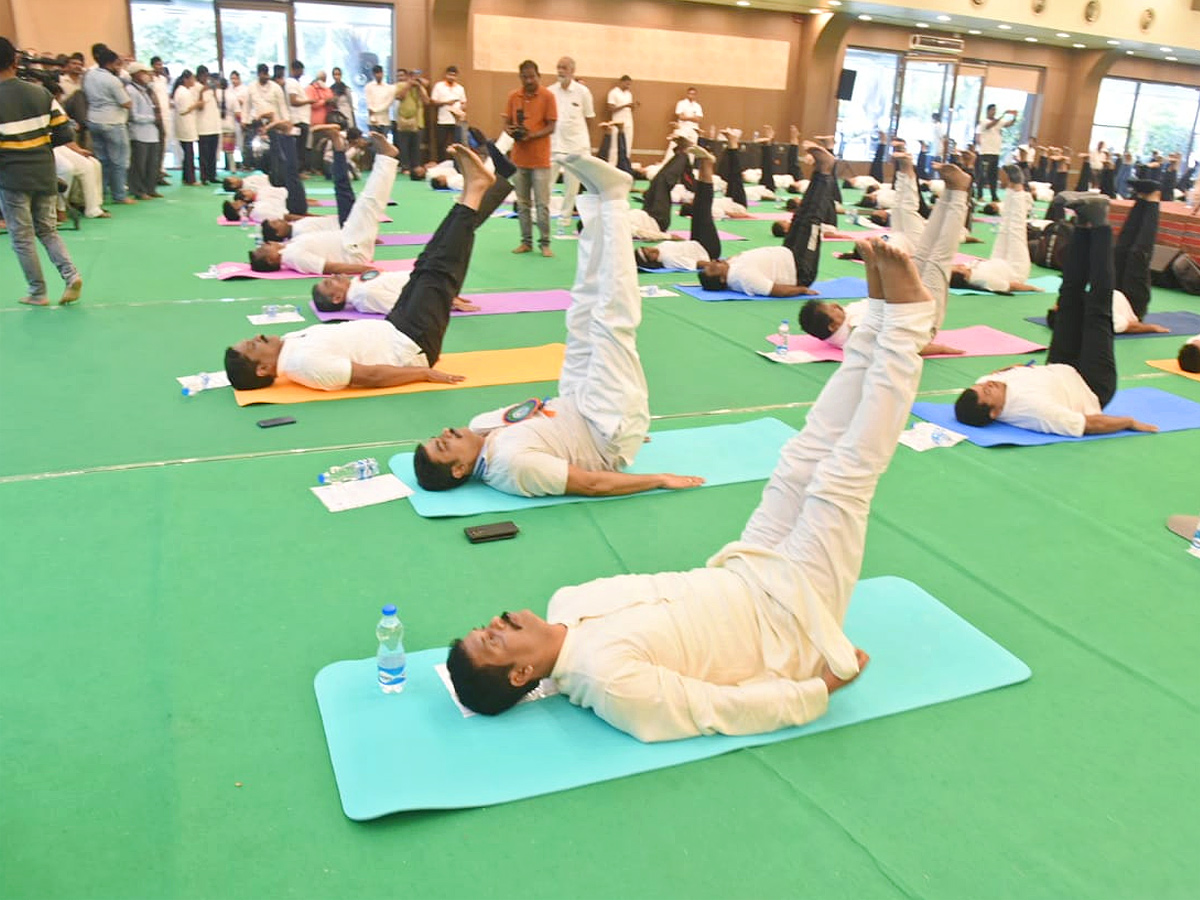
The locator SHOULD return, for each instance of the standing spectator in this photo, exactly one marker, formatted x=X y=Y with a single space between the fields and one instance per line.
x=235 y=100
x=449 y=98
x=161 y=83
x=689 y=113
x=143 y=134
x=227 y=104
x=108 y=113
x=571 y=134
x=991 y=133
x=264 y=102
x=301 y=112
x=411 y=98
x=380 y=96
x=33 y=124
x=208 y=123
x=343 y=99
x=183 y=99
x=529 y=118
x=620 y=112
x=321 y=98
x=71 y=78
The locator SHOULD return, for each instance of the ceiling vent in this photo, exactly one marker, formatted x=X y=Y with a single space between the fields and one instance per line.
x=932 y=43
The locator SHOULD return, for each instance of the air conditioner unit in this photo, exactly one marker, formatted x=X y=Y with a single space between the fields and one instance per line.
x=932 y=43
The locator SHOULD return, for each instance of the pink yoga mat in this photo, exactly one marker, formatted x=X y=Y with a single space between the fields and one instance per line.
x=772 y=216
x=977 y=340
x=404 y=240
x=686 y=235
x=221 y=220
x=227 y=270
x=492 y=304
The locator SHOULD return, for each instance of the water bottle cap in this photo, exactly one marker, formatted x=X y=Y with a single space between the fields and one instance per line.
x=323 y=478
x=389 y=610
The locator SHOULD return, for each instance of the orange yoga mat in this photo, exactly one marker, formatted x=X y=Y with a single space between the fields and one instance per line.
x=1172 y=366
x=481 y=368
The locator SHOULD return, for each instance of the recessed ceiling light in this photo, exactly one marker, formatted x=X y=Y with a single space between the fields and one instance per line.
x=1004 y=27
x=743 y=2
x=974 y=31
x=1114 y=43
x=1079 y=46
x=1129 y=53
x=943 y=18
x=1165 y=49
x=816 y=12
x=1061 y=34
x=1031 y=40
x=835 y=2
x=864 y=18
x=922 y=25
x=1172 y=59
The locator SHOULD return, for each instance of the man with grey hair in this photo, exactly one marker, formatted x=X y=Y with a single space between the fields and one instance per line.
x=571 y=134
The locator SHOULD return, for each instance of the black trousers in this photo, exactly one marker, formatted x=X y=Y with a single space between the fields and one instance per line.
x=409 y=145
x=804 y=234
x=1083 y=328
x=1085 y=177
x=302 y=142
x=343 y=191
x=285 y=172
x=423 y=310
x=768 y=167
x=622 y=150
x=187 y=167
x=1131 y=256
x=989 y=169
x=445 y=137
x=730 y=168
x=877 y=162
x=704 y=229
x=657 y=198
x=1108 y=182
x=208 y=157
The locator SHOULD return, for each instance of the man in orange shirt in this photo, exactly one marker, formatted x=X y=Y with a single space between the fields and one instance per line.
x=529 y=118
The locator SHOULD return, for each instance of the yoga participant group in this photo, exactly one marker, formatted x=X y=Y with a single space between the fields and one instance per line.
x=753 y=641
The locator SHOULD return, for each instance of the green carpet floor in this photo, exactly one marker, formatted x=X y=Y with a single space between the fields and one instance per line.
x=169 y=587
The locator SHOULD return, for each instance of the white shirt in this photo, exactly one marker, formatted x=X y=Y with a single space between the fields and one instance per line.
x=309 y=252
x=681 y=254
x=991 y=275
x=376 y=292
x=855 y=313
x=755 y=272
x=69 y=85
x=453 y=95
x=1122 y=313
x=208 y=117
x=575 y=107
x=990 y=138
x=185 y=122
x=236 y=98
x=300 y=114
x=724 y=208
x=619 y=97
x=734 y=648
x=530 y=458
x=1052 y=399
x=686 y=107
x=320 y=356
x=311 y=224
x=270 y=202
x=380 y=97
x=267 y=98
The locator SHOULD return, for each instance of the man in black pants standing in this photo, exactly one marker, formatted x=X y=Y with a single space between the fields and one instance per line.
x=1066 y=395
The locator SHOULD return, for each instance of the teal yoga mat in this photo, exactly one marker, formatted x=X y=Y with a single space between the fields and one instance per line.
x=416 y=750
x=721 y=454
x=1048 y=283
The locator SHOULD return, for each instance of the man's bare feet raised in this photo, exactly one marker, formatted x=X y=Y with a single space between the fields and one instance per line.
x=823 y=160
x=866 y=252
x=476 y=178
x=899 y=277
x=336 y=137
x=733 y=136
x=903 y=162
x=698 y=152
x=954 y=177
x=825 y=140
x=383 y=145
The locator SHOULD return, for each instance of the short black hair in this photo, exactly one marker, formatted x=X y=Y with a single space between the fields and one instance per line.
x=958 y=280
x=793 y=204
x=969 y=410
x=528 y=64
x=296 y=64
x=711 y=282
x=645 y=262
x=779 y=229
x=260 y=263
x=227 y=183
x=153 y=59
x=243 y=373
x=1189 y=358
x=269 y=232
x=815 y=321
x=483 y=689
x=278 y=71
x=106 y=57
x=438 y=182
x=231 y=212
x=435 y=476
x=263 y=69
x=322 y=302
x=375 y=69
x=416 y=173
x=453 y=69
x=8 y=54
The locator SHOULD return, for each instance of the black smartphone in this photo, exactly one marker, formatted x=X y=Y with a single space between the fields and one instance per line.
x=272 y=423
x=496 y=531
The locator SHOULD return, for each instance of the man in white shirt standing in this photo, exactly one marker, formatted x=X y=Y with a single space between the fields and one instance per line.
x=300 y=111
x=620 y=112
x=753 y=642
x=449 y=98
x=571 y=134
x=990 y=137
x=689 y=113
x=1066 y=395
x=160 y=83
x=380 y=96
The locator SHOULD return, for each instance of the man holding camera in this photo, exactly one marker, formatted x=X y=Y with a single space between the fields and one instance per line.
x=31 y=125
x=529 y=118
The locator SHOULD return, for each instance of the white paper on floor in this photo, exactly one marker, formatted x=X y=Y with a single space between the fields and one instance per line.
x=927 y=436
x=345 y=495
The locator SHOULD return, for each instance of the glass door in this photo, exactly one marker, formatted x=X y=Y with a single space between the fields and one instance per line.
x=353 y=37
x=963 y=114
x=250 y=34
x=924 y=95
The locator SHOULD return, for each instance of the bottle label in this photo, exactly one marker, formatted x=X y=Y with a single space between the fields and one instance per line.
x=392 y=676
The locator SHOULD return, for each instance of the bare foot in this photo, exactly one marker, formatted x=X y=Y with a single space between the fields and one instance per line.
x=900 y=279
x=279 y=125
x=941 y=350
x=768 y=134
x=823 y=160
x=866 y=252
x=733 y=135
x=954 y=177
x=903 y=162
x=34 y=301
x=967 y=158
x=383 y=145
x=461 y=304
x=825 y=140
x=698 y=152
x=476 y=178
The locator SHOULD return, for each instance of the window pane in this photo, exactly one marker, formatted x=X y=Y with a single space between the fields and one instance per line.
x=967 y=89
x=1006 y=99
x=924 y=84
x=350 y=36
x=1163 y=118
x=1114 y=105
x=182 y=32
x=250 y=37
x=1114 y=138
x=871 y=109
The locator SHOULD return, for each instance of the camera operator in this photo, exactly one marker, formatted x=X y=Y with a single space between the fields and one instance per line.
x=529 y=118
x=31 y=124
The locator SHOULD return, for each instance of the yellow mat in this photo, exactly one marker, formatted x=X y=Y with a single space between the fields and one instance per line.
x=481 y=368
x=1172 y=366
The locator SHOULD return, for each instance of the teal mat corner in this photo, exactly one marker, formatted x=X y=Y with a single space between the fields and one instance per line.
x=721 y=454
x=413 y=751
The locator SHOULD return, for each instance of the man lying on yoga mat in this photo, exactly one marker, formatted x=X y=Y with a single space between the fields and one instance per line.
x=788 y=270
x=279 y=195
x=595 y=427
x=932 y=244
x=1189 y=355
x=349 y=251
x=753 y=642
x=282 y=228
x=1009 y=265
x=372 y=353
x=704 y=243
x=1066 y=395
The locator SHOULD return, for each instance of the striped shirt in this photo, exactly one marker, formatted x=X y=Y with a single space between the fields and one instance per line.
x=31 y=125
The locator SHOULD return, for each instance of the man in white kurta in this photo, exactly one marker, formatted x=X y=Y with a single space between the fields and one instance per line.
x=571 y=134
x=753 y=642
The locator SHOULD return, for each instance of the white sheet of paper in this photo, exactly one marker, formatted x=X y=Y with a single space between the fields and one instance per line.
x=793 y=357
x=368 y=492
x=926 y=436
x=277 y=319
x=653 y=290
x=546 y=688
x=196 y=383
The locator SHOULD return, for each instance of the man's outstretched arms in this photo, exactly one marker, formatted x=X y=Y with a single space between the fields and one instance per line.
x=587 y=483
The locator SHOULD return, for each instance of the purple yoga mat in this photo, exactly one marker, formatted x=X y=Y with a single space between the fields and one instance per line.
x=404 y=240
x=723 y=235
x=227 y=270
x=977 y=340
x=221 y=220
x=492 y=304
x=333 y=203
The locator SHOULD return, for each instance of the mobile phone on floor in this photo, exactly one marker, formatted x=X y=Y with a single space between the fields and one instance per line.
x=274 y=423
x=495 y=531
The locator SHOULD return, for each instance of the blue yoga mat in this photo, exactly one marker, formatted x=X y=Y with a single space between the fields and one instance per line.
x=417 y=751
x=662 y=269
x=1050 y=284
x=721 y=454
x=848 y=287
x=1168 y=411
x=1180 y=323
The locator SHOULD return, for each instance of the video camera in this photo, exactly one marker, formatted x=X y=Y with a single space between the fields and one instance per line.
x=520 y=132
x=43 y=70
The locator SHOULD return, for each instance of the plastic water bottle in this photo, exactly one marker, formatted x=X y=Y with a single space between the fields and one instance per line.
x=204 y=385
x=781 y=349
x=1195 y=548
x=390 y=658
x=359 y=470
x=271 y=310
